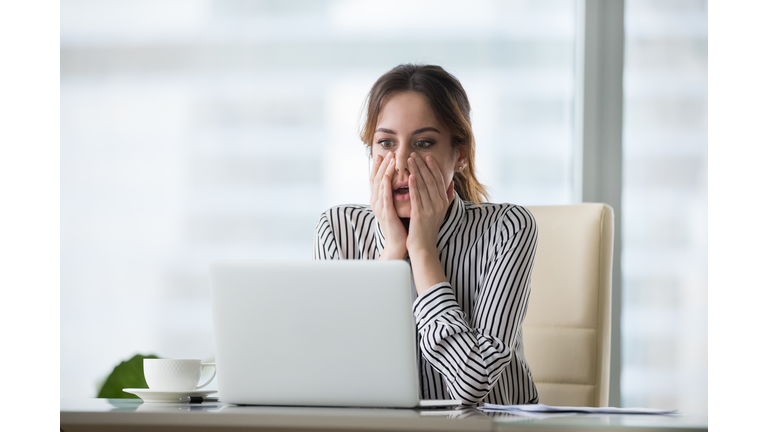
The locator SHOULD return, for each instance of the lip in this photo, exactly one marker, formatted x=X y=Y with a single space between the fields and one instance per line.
x=399 y=185
x=400 y=196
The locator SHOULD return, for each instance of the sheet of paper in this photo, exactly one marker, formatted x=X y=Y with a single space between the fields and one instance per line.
x=540 y=408
x=520 y=416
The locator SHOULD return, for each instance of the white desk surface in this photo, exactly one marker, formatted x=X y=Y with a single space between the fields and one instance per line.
x=131 y=414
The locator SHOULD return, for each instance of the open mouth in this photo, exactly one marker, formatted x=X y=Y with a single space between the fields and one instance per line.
x=400 y=192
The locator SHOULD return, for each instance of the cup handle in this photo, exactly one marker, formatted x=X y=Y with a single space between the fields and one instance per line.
x=213 y=365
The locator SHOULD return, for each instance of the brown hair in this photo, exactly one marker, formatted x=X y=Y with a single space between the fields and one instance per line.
x=450 y=104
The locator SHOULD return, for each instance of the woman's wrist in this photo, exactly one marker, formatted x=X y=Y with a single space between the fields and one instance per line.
x=392 y=252
x=424 y=256
x=423 y=253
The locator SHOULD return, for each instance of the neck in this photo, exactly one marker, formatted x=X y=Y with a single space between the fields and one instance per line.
x=406 y=223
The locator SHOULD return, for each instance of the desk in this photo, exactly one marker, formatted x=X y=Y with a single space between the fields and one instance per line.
x=87 y=415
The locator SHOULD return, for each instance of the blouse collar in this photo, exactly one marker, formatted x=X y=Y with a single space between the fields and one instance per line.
x=452 y=220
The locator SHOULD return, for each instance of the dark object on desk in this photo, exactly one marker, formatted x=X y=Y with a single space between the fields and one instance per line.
x=201 y=399
x=128 y=374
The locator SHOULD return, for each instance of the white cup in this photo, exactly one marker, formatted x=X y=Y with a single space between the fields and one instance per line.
x=175 y=375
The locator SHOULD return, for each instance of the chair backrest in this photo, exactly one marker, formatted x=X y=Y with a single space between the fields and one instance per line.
x=567 y=329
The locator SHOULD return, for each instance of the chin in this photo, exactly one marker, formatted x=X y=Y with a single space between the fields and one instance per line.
x=403 y=210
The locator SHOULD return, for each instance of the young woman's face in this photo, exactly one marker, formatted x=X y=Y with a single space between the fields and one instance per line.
x=406 y=125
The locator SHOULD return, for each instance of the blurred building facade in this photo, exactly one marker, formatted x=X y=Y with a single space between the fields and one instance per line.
x=664 y=264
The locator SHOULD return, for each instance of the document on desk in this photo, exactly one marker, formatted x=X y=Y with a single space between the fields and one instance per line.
x=541 y=408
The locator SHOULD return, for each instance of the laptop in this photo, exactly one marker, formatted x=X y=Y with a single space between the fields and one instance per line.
x=316 y=333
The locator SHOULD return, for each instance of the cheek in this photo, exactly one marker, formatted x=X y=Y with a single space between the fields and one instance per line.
x=375 y=152
x=447 y=175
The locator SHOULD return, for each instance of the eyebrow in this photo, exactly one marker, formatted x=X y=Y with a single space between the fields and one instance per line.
x=426 y=129
x=417 y=131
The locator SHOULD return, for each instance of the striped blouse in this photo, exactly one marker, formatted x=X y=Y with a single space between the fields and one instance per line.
x=470 y=340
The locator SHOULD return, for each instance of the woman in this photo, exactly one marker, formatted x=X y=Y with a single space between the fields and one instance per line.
x=471 y=261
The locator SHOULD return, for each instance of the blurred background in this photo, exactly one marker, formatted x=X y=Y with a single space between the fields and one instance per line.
x=209 y=129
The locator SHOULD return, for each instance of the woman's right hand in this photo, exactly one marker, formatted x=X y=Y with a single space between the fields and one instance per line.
x=383 y=207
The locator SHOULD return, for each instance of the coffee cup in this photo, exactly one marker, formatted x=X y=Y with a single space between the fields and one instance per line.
x=175 y=375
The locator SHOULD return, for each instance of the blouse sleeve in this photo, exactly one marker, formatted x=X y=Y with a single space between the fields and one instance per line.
x=325 y=243
x=471 y=355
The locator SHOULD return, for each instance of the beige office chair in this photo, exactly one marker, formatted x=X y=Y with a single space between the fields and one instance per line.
x=567 y=330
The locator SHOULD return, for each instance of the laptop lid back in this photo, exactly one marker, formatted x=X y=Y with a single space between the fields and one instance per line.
x=316 y=333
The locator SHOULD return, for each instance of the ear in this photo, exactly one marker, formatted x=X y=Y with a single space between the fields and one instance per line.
x=462 y=160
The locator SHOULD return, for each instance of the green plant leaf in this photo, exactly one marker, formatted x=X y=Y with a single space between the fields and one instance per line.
x=128 y=374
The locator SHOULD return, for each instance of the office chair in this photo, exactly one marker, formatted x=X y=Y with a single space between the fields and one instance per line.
x=567 y=329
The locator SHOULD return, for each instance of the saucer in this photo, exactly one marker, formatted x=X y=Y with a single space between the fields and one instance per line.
x=148 y=395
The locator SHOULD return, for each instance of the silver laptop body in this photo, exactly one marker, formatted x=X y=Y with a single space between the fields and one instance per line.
x=315 y=333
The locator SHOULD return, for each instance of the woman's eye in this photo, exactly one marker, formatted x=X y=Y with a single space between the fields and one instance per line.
x=385 y=144
x=423 y=144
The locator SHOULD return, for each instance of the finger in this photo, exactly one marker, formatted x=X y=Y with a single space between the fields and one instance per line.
x=390 y=169
x=413 y=190
x=383 y=191
x=426 y=179
x=386 y=181
x=386 y=193
x=382 y=169
x=422 y=195
x=377 y=159
x=437 y=175
x=387 y=169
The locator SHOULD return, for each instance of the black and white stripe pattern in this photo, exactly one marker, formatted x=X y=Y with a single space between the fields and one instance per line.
x=469 y=329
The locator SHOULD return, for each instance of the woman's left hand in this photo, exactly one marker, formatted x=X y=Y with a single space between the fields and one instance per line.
x=430 y=200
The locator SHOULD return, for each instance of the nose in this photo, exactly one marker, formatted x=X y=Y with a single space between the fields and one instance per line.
x=401 y=155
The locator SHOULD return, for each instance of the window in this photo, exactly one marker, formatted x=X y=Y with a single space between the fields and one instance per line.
x=664 y=266
x=200 y=130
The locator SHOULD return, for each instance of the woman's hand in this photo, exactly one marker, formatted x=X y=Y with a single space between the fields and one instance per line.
x=383 y=207
x=430 y=200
